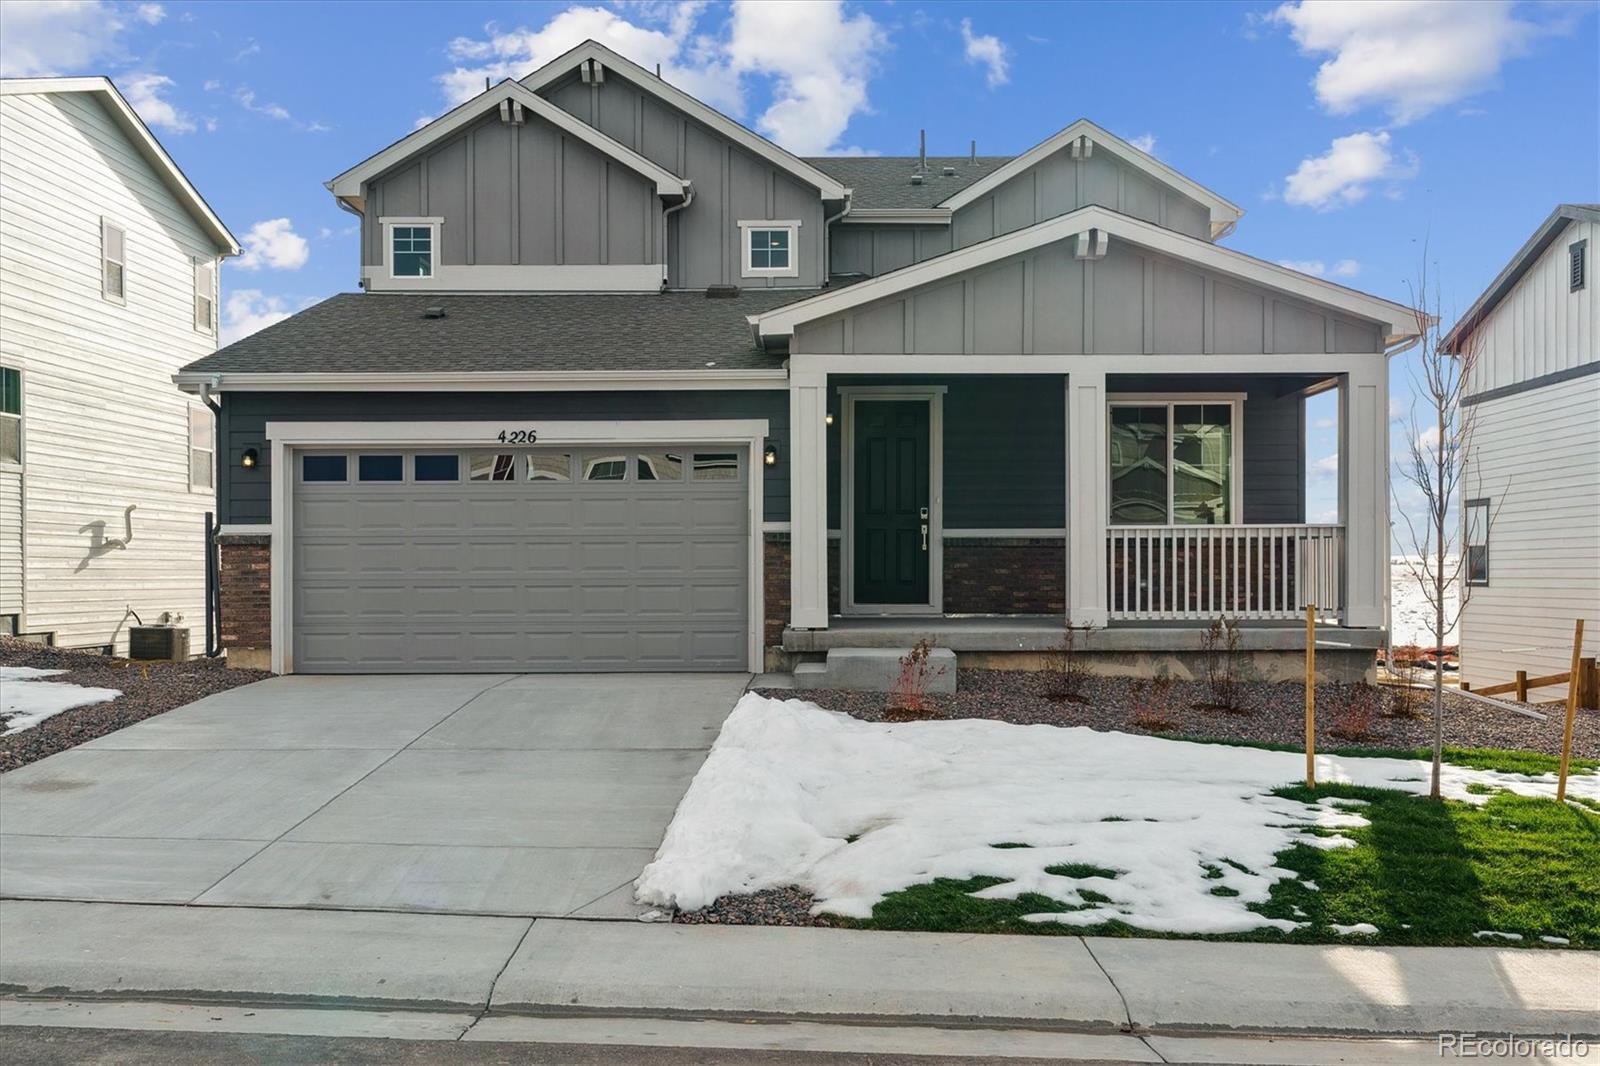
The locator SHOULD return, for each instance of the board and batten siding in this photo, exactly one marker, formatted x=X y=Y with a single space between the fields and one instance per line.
x=855 y=249
x=1536 y=457
x=730 y=184
x=104 y=427
x=1046 y=301
x=520 y=195
x=1541 y=327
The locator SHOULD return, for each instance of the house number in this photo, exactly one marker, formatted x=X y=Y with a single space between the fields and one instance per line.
x=518 y=436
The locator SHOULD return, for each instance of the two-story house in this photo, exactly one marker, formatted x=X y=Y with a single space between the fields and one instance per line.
x=1530 y=489
x=632 y=388
x=108 y=284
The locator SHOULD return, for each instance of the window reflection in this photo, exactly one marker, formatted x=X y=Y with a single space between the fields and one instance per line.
x=1202 y=453
x=716 y=466
x=492 y=466
x=606 y=468
x=550 y=466
x=660 y=466
x=1139 y=465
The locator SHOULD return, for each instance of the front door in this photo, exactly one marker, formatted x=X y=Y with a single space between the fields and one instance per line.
x=892 y=502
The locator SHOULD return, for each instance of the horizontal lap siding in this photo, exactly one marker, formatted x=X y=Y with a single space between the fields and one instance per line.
x=104 y=426
x=1536 y=457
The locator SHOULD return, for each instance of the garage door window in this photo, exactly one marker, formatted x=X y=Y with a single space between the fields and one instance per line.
x=323 y=468
x=606 y=468
x=491 y=466
x=548 y=466
x=438 y=468
x=660 y=466
x=380 y=468
x=716 y=466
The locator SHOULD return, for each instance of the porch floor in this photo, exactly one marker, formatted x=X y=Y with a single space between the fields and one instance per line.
x=1034 y=633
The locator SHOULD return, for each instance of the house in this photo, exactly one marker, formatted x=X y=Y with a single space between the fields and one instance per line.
x=108 y=284
x=1530 y=487
x=631 y=387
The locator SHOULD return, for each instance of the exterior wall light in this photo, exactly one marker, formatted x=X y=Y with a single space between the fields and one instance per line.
x=249 y=458
x=770 y=456
x=827 y=419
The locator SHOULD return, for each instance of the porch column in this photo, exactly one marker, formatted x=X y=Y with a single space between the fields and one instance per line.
x=808 y=503
x=1088 y=509
x=1364 y=491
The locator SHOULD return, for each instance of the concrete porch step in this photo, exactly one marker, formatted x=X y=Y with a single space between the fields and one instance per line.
x=874 y=670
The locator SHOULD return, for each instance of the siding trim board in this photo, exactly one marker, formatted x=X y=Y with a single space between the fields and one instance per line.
x=1571 y=373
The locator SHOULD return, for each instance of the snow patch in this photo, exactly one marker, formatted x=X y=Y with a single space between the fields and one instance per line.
x=1495 y=934
x=25 y=701
x=1358 y=929
x=1411 y=619
x=851 y=811
x=1558 y=940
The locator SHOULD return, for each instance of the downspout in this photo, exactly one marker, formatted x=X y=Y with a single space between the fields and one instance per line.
x=827 y=233
x=213 y=585
x=665 y=227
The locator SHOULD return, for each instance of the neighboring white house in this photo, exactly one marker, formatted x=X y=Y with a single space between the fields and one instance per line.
x=1530 y=496
x=108 y=284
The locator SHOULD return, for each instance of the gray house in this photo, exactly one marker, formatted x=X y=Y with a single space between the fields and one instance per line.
x=632 y=388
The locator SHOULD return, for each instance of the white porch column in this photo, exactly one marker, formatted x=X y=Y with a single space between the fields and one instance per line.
x=1088 y=509
x=808 y=502
x=1364 y=491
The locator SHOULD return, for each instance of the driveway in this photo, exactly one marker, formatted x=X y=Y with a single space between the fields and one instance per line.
x=487 y=794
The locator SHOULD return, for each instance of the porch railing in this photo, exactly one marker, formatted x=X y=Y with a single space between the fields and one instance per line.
x=1244 y=571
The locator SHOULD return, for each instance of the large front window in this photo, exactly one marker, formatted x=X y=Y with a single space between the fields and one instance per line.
x=1172 y=462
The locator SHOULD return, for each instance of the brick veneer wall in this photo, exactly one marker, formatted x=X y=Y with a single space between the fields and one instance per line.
x=245 y=584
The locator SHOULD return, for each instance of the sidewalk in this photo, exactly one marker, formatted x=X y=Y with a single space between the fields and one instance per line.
x=517 y=967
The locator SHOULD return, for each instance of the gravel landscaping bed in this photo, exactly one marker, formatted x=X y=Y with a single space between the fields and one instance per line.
x=148 y=688
x=1271 y=713
x=771 y=906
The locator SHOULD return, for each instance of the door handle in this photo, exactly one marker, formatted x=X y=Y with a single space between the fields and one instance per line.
x=924 y=536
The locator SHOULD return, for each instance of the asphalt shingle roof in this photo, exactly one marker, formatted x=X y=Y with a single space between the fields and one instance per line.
x=885 y=181
x=372 y=332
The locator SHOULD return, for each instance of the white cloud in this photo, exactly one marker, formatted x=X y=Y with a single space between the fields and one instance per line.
x=1346 y=172
x=1344 y=268
x=1326 y=517
x=150 y=14
x=1324 y=423
x=989 y=51
x=1326 y=468
x=815 y=58
x=1407 y=57
x=273 y=243
x=1145 y=142
x=144 y=92
x=42 y=37
x=247 y=310
x=247 y=100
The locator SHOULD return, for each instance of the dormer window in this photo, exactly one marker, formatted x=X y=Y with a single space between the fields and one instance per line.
x=413 y=246
x=770 y=249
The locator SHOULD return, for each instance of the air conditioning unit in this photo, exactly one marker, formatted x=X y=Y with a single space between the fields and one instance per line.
x=169 y=643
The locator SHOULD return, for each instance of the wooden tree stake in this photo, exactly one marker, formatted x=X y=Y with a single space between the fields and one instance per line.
x=1572 y=708
x=1311 y=695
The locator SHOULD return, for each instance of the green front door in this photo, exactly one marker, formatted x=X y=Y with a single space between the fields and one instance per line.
x=891 y=502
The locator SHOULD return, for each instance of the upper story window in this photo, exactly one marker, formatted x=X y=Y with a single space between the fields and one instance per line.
x=10 y=415
x=413 y=245
x=1577 y=266
x=770 y=249
x=202 y=448
x=205 y=295
x=113 y=261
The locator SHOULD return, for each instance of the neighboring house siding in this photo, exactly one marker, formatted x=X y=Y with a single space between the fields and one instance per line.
x=1541 y=327
x=877 y=249
x=105 y=429
x=1048 y=302
x=520 y=195
x=246 y=497
x=730 y=185
x=10 y=541
x=1058 y=184
x=1536 y=457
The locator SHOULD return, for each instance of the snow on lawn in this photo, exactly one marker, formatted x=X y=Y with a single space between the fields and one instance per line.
x=25 y=701
x=1410 y=618
x=851 y=811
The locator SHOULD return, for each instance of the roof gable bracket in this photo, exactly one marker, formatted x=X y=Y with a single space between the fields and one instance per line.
x=1082 y=147
x=1090 y=244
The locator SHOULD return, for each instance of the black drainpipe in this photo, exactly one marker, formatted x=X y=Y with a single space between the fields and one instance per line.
x=213 y=562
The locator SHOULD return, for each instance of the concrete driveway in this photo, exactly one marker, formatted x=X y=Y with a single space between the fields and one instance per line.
x=515 y=795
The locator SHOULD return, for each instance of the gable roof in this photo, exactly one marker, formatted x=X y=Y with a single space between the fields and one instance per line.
x=1398 y=320
x=1543 y=237
x=128 y=120
x=1224 y=213
x=753 y=142
x=884 y=182
x=348 y=184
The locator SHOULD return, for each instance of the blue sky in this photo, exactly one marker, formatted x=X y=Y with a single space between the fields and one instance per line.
x=1353 y=134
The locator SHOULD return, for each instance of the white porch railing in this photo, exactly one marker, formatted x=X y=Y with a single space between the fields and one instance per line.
x=1205 y=572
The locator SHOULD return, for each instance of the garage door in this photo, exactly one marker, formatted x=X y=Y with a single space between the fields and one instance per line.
x=630 y=558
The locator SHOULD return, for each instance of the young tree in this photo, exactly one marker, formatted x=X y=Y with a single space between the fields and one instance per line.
x=1439 y=440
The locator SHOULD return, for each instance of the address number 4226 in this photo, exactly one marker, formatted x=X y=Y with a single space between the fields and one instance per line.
x=517 y=436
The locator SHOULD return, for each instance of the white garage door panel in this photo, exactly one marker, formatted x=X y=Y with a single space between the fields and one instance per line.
x=522 y=575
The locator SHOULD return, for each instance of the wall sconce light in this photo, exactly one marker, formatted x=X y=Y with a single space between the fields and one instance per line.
x=827 y=419
x=770 y=456
x=249 y=459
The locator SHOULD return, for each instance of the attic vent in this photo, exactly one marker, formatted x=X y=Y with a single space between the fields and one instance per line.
x=1577 y=268
x=722 y=292
x=948 y=172
x=433 y=312
x=916 y=179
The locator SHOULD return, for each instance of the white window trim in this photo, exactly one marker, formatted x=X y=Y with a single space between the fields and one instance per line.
x=1170 y=400
x=389 y=222
x=196 y=263
x=748 y=226
x=106 y=222
x=22 y=422
x=191 y=447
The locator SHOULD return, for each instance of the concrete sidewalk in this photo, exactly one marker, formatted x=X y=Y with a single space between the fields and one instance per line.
x=521 y=967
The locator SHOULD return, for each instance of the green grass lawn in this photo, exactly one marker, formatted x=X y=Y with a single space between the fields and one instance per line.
x=1423 y=872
